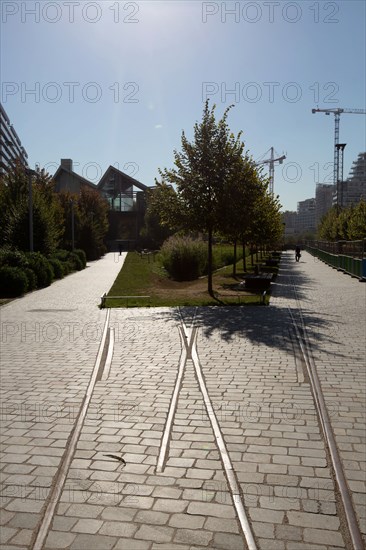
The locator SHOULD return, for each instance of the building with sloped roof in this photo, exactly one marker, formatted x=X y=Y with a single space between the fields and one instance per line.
x=125 y=196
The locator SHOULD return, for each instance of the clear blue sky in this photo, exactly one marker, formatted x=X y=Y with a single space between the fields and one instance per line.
x=117 y=82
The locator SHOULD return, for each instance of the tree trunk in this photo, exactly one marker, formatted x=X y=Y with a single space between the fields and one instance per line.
x=234 y=264
x=244 y=259
x=252 y=254
x=210 y=287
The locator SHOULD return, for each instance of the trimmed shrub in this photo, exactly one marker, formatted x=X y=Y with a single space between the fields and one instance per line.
x=31 y=278
x=41 y=267
x=61 y=255
x=81 y=255
x=12 y=258
x=75 y=261
x=13 y=282
x=57 y=266
x=185 y=259
x=66 y=268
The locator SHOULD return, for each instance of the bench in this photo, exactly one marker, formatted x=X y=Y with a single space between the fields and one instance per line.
x=273 y=262
x=258 y=281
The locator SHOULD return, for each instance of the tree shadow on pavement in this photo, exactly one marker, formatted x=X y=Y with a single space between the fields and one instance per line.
x=267 y=325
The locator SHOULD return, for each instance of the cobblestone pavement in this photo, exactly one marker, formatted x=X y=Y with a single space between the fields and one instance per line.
x=261 y=398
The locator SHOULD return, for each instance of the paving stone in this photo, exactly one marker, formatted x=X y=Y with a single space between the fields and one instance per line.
x=25 y=521
x=5 y=516
x=304 y=519
x=269 y=544
x=208 y=509
x=155 y=533
x=58 y=539
x=171 y=506
x=167 y=492
x=90 y=526
x=84 y=510
x=6 y=533
x=193 y=537
x=132 y=544
x=228 y=542
x=23 y=537
x=151 y=517
x=185 y=521
x=288 y=532
x=323 y=536
x=118 y=529
x=61 y=523
x=263 y=515
x=93 y=542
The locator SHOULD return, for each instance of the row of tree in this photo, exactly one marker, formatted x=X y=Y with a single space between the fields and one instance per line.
x=214 y=189
x=344 y=223
x=60 y=220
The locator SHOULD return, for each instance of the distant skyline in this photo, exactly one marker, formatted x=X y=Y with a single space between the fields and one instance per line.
x=116 y=83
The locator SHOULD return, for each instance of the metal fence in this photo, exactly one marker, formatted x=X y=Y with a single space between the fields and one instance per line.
x=346 y=256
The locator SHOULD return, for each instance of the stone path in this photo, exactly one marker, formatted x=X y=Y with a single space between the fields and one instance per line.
x=261 y=398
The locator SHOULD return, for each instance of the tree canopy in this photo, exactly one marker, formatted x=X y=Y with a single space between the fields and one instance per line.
x=344 y=223
x=214 y=187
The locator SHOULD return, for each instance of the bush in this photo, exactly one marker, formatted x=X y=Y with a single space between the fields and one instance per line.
x=61 y=255
x=184 y=259
x=81 y=255
x=57 y=266
x=12 y=258
x=75 y=261
x=71 y=261
x=41 y=267
x=13 y=282
x=31 y=278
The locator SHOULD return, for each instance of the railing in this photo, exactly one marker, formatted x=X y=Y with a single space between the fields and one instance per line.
x=346 y=256
x=127 y=299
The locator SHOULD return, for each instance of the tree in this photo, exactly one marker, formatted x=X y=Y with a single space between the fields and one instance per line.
x=357 y=222
x=14 y=204
x=202 y=171
x=93 y=212
x=244 y=189
x=329 y=225
x=69 y=204
x=162 y=214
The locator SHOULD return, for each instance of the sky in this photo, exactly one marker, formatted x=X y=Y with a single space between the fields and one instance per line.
x=115 y=83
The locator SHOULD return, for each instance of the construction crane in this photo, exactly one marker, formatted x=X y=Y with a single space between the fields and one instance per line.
x=337 y=116
x=271 y=161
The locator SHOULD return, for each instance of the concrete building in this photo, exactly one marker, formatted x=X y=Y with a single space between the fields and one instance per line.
x=289 y=218
x=354 y=188
x=305 y=222
x=11 y=149
x=323 y=200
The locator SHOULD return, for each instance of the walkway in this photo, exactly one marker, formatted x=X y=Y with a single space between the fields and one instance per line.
x=257 y=442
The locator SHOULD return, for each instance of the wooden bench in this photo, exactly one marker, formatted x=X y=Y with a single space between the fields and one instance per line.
x=261 y=281
x=273 y=262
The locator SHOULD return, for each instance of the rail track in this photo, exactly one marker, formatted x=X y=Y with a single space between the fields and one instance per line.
x=190 y=353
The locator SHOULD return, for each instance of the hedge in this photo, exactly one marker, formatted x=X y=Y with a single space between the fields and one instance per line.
x=13 y=281
x=41 y=268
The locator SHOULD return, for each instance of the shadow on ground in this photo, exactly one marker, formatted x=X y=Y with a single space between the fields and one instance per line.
x=268 y=325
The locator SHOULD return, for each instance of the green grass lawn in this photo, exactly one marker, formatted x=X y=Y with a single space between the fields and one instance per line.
x=144 y=276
